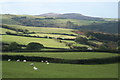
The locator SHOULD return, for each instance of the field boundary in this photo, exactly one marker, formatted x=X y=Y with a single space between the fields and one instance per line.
x=93 y=61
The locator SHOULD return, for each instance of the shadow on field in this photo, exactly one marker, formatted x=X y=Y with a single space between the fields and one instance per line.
x=64 y=61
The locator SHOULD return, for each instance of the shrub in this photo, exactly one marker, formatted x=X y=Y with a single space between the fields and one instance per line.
x=34 y=46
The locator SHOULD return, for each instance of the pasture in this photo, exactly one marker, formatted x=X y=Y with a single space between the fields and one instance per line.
x=15 y=69
x=66 y=55
x=54 y=35
x=43 y=29
x=26 y=40
x=3 y=31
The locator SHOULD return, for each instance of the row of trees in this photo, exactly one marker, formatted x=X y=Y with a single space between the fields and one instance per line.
x=102 y=36
x=15 y=46
x=107 y=44
x=25 y=31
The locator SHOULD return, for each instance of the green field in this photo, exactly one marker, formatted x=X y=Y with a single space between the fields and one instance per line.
x=66 y=55
x=3 y=31
x=43 y=29
x=26 y=40
x=54 y=35
x=24 y=70
x=14 y=69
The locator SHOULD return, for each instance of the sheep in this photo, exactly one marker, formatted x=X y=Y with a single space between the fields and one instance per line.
x=9 y=59
x=35 y=68
x=42 y=61
x=18 y=60
x=32 y=64
x=24 y=61
x=48 y=63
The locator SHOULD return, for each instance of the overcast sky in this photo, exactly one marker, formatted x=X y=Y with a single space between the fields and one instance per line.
x=100 y=8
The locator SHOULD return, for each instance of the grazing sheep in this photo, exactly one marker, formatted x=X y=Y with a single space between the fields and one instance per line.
x=9 y=59
x=42 y=61
x=48 y=63
x=24 y=61
x=32 y=64
x=35 y=68
x=18 y=60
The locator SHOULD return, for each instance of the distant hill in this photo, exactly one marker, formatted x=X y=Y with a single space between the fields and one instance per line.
x=70 y=21
x=71 y=16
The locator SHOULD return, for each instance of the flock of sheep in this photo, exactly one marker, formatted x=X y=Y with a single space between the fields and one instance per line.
x=31 y=64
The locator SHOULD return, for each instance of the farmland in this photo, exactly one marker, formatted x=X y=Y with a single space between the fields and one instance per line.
x=71 y=54
x=12 y=69
x=66 y=55
x=26 y=40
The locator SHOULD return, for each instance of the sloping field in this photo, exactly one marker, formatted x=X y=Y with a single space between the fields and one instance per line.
x=44 y=29
x=54 y=35
x=3 y=31
x=26 y=40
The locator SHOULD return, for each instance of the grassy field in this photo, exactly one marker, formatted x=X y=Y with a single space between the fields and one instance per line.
x=3 y=31
x=43 y=29
x=54 y=35
x=67 y=55
x=26 y=40
x=15 y=69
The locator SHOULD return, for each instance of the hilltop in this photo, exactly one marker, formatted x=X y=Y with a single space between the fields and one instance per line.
x=72 y=16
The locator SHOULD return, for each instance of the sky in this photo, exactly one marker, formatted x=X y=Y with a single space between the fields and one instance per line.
x=98 y=8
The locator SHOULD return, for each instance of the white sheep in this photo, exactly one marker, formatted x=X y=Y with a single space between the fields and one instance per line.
x=32 y=64
x=42 y=61
x=18 y=60
x=24 y=61
x=48 y=63
x=9 y=59
x=35 y=68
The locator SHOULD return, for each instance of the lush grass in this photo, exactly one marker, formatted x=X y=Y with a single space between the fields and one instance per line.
x=26 y=40
x=7 y=19
x=24 y=70
x=66 y=55
x=43 y=29
x=54 y=35
x=3 y=31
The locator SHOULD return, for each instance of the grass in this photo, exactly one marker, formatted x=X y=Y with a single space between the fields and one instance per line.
x=44 y=29
x=66 y=55
x=7 y=19
x=54 y=35
x=26 y=40
x=81 y=45
x=24 y=70
x=3 y=31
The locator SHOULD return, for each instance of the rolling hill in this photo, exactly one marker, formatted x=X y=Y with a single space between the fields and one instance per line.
x=68 y=20
x=71 y=16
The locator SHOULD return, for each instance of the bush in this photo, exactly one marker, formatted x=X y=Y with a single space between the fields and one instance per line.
x=81 y=40
x=14 y=46
x=34 y=46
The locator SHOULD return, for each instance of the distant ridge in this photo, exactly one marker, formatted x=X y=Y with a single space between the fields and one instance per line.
x=71 y=16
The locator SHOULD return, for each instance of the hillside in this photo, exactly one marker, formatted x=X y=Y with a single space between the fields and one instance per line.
x=71 y=16
x=69 y=21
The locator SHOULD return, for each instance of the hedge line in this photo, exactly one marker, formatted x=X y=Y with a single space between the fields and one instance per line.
x=65 y=61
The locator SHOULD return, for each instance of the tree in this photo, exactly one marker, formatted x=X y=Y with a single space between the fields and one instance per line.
x=14 y=46
x=81 y=40
x=34 y=46
x=70 y=24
